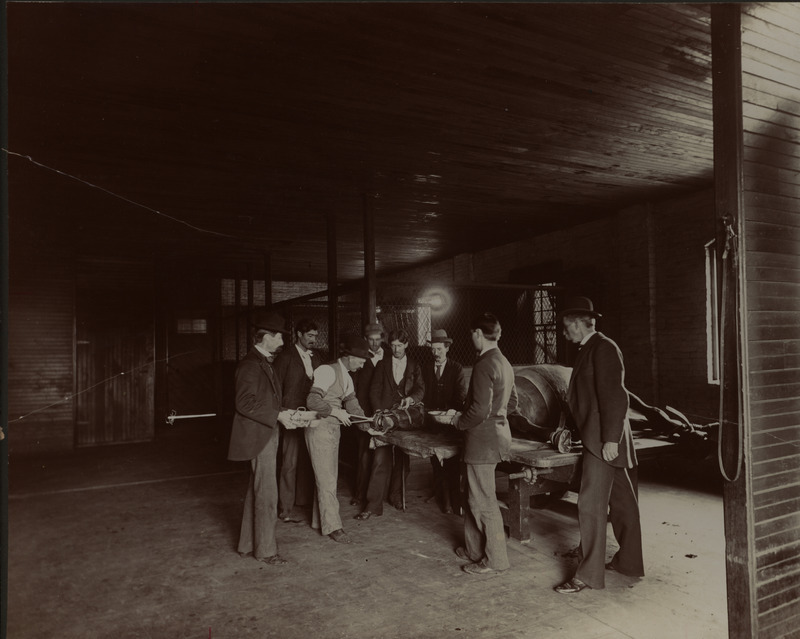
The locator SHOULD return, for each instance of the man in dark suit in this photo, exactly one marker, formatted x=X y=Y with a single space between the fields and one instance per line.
x=599 y=403
x=396 y=383
x=487 y=441
x=445 y=389
x=374 y=334
x=255 y=435
x=295 y=368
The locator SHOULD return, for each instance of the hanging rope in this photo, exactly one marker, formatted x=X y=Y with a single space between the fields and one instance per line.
x=729 y=252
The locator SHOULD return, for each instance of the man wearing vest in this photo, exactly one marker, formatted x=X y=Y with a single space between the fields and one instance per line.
x=333 y=397
x=396 y=383
x=295 y=368
x=445 y=389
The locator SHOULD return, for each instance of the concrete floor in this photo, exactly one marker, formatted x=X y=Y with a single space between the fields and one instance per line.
x=139 y=541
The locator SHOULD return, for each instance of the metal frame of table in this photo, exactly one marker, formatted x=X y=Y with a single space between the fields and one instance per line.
x=534 y=468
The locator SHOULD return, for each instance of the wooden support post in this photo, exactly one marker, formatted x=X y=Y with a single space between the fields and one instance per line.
x=250 y=296
x=237 y=309
x=726 y=51
x=268 y=279
x=333 y=296
x=369 y=295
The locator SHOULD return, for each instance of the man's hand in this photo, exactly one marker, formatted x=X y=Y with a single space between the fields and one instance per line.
x=285 y=418
x=610 y=451
x=456 y=417
x=405 y=403
x=341 y=415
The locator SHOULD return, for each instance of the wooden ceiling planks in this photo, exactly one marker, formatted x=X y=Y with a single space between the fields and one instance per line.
x=257 y=120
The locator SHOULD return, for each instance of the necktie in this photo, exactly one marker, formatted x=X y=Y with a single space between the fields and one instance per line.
x=438 y=371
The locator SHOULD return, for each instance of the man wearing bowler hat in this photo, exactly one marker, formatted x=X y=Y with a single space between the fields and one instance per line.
x=445 y=389
x=255 y=436
x=333 y=397
x=599 y=403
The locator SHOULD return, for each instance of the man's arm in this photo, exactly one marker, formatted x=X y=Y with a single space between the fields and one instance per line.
x=352 y=406
x=417 y=383
x=324 y=377
x=612 y=398
x=480 y=404
x=258 y=406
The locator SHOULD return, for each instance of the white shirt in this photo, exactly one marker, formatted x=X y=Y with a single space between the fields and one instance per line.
x=399 y=368
x=377 y=356
x=325 y=376
x=306 y=357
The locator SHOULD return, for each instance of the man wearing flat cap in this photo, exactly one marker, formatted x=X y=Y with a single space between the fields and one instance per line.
x=599 y=403
x=333 y=397
x=445 y=389
x=255 y=436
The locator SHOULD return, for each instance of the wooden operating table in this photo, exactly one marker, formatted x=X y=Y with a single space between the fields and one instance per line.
x=535 y=468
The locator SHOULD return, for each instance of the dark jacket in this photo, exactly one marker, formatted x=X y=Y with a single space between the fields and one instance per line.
x=257 y=404
x=598 y=399
x=291 y=372
x=491 y=396
x=362 y=379
x=385 y=393
x=448 y=392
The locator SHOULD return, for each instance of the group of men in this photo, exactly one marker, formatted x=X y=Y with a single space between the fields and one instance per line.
x=371 y=376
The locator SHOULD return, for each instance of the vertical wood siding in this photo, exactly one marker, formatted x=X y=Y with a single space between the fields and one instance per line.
x=114 y=352
x=40 y=343
x=771 y=93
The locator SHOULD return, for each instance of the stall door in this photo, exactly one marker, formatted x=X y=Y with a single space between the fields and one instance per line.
x=114 y=367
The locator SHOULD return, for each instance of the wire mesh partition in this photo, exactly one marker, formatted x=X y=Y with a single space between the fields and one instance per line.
x=527 y=317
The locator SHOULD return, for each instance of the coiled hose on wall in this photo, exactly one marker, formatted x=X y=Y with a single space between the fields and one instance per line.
x=730 y=267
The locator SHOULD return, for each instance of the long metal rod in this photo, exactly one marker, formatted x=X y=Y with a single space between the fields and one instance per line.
x=172 y=417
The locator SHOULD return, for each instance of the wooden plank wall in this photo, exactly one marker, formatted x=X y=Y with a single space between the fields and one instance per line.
x=771 y=109
x=40 y=354
x=618 y=252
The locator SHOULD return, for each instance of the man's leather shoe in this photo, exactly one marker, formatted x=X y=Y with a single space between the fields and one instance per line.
x=461 y=553
x=293 y=519
x=610 y=566
x=571 y=586
x=340 y=536
x=479 y=569
x=275 y=560
x=364 y=515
